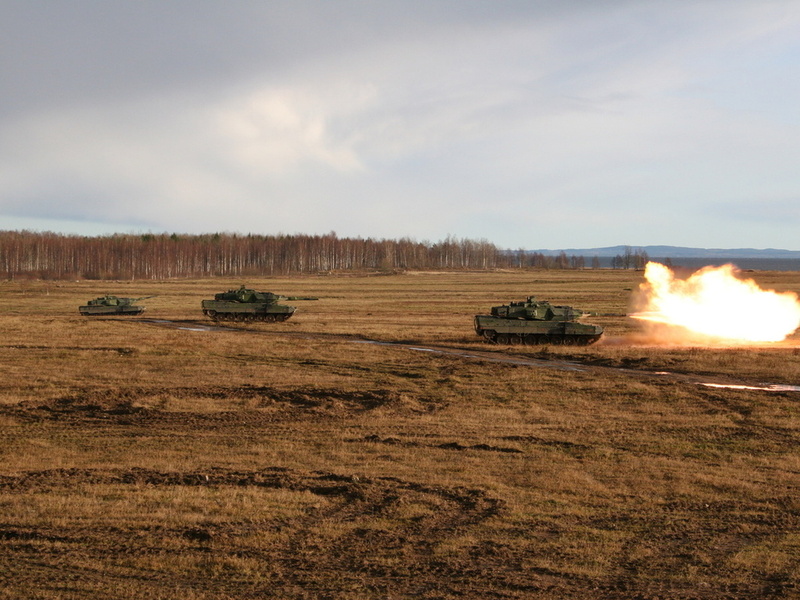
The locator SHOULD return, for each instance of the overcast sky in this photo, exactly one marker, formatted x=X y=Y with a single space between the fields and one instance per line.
x=531 y=123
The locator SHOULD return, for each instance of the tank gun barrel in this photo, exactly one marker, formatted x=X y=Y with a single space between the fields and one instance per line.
x=301 y=298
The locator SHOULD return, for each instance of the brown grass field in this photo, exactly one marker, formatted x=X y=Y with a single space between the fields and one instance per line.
x=151 y=458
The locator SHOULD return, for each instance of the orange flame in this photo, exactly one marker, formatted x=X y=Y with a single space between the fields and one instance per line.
x=713 y=304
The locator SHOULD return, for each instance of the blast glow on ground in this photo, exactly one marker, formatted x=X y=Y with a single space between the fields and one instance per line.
x=714 y=306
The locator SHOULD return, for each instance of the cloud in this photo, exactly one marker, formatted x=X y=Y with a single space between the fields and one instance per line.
x=524 y=123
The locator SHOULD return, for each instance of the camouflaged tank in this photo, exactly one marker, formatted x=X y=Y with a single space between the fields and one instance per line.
x=244 y=304
x=533 y=322
x=112 y=305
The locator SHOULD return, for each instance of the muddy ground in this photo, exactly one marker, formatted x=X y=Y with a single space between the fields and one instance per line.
x=356 y=536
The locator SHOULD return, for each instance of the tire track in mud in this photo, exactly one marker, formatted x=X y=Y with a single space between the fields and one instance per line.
x=393 y=441
x=306 y=552
x=488 y=356
x=265 y=406
x=381 y=537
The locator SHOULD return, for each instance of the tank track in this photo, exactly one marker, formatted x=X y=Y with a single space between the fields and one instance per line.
x=534 y=339
x=246 y=317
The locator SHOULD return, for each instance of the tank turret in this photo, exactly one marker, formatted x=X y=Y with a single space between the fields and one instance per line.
x=245 y=304
x=534 y=310
x=535 y=322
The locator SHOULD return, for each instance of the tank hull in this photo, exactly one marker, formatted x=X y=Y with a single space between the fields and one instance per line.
x=99 y=311
x=220 y=310
x=532 y=332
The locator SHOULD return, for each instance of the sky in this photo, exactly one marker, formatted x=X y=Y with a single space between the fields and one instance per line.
x=528 y=123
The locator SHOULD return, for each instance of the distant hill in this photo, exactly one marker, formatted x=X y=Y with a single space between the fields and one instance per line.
x=677 y=252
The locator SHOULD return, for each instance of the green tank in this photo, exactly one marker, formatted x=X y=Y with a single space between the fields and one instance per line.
x=244 y=304
x=535 y=322
x=112 y=305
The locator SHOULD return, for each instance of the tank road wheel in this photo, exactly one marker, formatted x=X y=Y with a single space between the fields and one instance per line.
x=212 y=314
x=502 y=338
x=569 y=340
x=515 y=339
x=489 y=336
x=531 y=339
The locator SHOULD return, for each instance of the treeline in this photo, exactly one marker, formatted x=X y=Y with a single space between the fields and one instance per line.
x=631 y=258
x=162 y=256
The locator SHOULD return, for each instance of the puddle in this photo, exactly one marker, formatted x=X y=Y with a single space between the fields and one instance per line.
x=176 y=325
x=764 y=388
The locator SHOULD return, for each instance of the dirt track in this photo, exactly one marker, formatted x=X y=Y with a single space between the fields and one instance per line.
x=504 y=358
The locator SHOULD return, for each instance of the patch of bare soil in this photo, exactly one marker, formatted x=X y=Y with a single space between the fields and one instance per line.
x=111 y=349
x=253 y=405
x=393 y=441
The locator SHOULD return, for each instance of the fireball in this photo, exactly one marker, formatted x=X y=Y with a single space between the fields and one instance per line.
x=715 y=303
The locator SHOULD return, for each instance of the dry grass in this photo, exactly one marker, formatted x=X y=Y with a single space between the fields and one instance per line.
x=147 y=461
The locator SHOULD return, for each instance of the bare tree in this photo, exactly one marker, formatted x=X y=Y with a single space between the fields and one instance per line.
x=161 y=256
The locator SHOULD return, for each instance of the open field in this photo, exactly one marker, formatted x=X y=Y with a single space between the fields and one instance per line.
x=150 y=458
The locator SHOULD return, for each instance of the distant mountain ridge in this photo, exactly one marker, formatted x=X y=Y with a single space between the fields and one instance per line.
x=677 y=252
